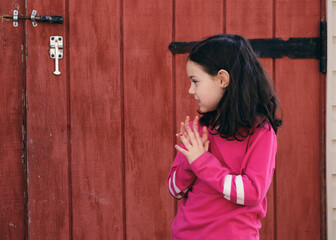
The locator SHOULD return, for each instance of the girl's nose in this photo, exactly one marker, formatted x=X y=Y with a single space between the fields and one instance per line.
x=191 y=90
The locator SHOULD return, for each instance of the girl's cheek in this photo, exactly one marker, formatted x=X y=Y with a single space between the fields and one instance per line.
x=197 y=90
x=197 y=93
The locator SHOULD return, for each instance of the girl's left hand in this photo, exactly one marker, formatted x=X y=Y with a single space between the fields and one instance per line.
x=195 y=147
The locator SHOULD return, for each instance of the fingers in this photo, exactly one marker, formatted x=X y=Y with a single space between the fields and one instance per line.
x=187 y=121
x=194 y=144
x=184 y=125
x=195 y=123
x=183 y=151
x=206 y=145
x=182 y=129
x=204 y=135
x=195 y=130
x=194 y=137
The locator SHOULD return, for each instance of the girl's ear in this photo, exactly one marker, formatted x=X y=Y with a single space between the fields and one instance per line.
x=223 y=77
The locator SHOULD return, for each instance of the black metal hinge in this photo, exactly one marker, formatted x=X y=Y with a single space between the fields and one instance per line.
x=278 y=48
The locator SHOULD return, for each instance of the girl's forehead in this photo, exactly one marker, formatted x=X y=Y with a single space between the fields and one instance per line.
x=194 y=68
x=191 y=63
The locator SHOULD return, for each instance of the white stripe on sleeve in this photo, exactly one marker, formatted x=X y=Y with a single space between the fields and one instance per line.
x=171 y=190
x=240 y=190
x=227 y=186
x=177 y=190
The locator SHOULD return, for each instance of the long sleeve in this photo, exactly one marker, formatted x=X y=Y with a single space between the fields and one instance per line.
x=180 y=177
x=250 y=186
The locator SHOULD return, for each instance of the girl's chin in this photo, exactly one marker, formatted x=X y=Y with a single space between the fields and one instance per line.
x=202 y=110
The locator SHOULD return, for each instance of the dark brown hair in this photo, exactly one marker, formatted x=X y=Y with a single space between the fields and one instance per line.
x=248 y=98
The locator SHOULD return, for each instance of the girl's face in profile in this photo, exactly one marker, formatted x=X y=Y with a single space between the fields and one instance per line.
x=207 y=89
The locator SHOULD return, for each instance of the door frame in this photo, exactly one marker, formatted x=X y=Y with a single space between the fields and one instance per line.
x=331 y=122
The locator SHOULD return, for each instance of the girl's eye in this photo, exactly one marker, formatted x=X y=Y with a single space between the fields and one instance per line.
x=194 y=81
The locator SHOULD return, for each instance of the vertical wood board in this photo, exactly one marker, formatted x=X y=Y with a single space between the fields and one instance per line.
x=147 y=71
x=12 y=165
x=95 y=110
x=298 y=165
x=47 y=142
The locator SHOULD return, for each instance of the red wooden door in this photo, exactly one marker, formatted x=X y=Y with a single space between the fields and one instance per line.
x=85 y=155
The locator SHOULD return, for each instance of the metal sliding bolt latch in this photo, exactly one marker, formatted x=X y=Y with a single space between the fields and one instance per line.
x=33 y=18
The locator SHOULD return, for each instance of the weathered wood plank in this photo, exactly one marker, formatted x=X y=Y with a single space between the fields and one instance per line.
x=298 y=166
x=96 y=120
x=47 y=132
x=12 y=166
x=148 y=117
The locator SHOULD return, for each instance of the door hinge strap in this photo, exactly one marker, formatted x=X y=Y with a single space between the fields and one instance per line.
x=277 y=48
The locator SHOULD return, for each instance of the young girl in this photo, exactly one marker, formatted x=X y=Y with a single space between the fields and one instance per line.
x=224 y=167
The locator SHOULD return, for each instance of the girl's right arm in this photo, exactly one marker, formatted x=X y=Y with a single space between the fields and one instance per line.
x=180 y=177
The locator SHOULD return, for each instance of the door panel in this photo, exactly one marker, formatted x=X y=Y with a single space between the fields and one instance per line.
x=47 y=131
x=298 y=165
x=148 y=117
x=96 y=120
x=12 y=119
x=298 y=161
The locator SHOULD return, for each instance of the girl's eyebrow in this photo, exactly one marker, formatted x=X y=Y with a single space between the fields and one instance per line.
x=190 y=77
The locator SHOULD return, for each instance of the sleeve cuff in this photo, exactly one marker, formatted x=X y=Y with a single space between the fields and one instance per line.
x=199 y=161
x=184 y=162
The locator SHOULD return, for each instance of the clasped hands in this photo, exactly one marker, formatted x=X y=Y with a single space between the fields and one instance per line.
x=194 y=143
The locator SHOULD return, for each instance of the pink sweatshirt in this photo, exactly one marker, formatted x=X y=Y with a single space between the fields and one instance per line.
x=223 y=191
